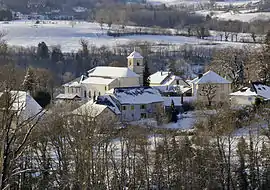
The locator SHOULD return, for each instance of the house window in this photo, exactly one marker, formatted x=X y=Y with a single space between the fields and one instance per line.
x=132 y=107
x=177 y=82
x=68 y=89
x=143 y=115
x=129 y=62
x=142 y=106
x=89 y=94
x=105 y=88
x=76 y=90
x=138 y=64
x=99 y=93
x=72 y=90
x=85 y=94
x=124 y=108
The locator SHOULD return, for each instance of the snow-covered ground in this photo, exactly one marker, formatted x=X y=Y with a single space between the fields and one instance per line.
x=178 y=2
x=244 y=16
x=237 y=2
x=68 y=34
x=27 y=33
x=186 y=121
x=200 y=2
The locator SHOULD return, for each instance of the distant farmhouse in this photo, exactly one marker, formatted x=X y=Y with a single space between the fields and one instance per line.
x=211 y=85
x=248 y=95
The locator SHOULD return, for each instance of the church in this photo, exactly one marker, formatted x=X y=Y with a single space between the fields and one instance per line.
x=104 y=78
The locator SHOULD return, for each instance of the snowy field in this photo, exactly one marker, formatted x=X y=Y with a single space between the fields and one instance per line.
x=244 y=16
x=178 y=2
x=199 y=2
x=27 y=33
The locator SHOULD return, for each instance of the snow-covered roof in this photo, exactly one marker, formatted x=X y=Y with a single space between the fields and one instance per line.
x=210 y=77
x=111 y=72
x=244 y=92
x=24 y=104
x=262 y=90
x=107 y=100
x=67 y=96
x=158 y=77
x=173 y=88
x=135 y=55
x=137 y=95
x=98 y=80
x=172 y=78
x=72 y=84
x=90 y=108
x=76 y=82
x=257 y=89
x=165 y=78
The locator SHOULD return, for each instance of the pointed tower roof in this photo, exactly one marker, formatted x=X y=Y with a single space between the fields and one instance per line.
x=135 y=55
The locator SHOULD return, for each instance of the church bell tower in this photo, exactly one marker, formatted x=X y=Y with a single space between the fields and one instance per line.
x=135 y=63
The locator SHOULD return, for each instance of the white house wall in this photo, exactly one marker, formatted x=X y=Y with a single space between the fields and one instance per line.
x=94 y=89
x=242 y=100
x=128 y=82
x=135 y=114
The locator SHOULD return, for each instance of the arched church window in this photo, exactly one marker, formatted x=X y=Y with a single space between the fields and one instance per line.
x=89 y=94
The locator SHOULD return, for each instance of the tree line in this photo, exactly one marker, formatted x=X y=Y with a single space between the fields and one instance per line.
x=61 y=67
x=170 y=17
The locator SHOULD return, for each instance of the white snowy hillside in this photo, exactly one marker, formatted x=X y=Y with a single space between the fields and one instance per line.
x=178 y=2
x=201 y=2
x=68 y=35
x=244 y=16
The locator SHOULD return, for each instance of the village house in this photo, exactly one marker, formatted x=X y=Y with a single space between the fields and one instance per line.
x=103 y=110
x=248 y=95
x=210 y=85
x=166 y=78
x=103 y=78
x=72 y=90
x=170 y=85
x=137 y=103
x=23 y=105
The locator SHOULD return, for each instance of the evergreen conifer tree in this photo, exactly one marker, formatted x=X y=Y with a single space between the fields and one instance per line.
x=43 y=98
x=146 y=74
x=29 y=81
x=43 y=50
x=173 y=113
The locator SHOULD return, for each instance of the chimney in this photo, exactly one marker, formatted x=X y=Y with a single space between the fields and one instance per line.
x=200 y=75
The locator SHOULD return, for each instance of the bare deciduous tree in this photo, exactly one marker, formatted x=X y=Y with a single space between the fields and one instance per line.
x=208 y=90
